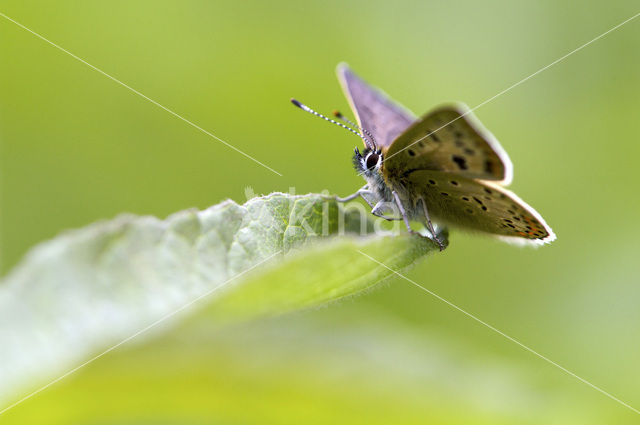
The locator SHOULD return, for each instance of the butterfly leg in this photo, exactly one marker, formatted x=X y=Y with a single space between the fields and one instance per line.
x=430 y=225
x=362 y=192
x=353 y=196
x=403 y=213
x=376 y=211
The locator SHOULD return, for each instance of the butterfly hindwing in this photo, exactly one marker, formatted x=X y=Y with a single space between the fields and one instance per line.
x=449 y=139
x=477 y=205
x=374 y=111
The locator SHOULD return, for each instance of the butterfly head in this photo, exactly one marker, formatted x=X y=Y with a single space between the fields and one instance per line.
x=368 y=162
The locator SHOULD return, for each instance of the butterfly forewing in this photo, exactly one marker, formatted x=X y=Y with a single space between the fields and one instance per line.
x=449 y=139
x=374 y=111
x=477 y=205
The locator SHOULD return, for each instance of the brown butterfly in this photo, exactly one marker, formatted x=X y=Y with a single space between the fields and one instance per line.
x=444 y=166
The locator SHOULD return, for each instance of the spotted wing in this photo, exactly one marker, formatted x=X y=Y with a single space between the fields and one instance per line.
x=373 y=109
x=477 y=205
x=449 y=139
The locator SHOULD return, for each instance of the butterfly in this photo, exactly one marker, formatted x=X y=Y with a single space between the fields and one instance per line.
x=444 y=167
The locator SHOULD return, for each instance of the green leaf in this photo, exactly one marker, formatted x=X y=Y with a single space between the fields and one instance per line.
x=346 y=365
x=89 y=289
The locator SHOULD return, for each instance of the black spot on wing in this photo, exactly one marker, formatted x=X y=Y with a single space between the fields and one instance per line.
x=488 y=166
x=460 y=161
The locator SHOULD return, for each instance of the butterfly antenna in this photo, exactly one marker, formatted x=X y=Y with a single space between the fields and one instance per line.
x=305 y=108
x=339 y=115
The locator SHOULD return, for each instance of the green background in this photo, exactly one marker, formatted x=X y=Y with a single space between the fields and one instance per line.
x=77 y=147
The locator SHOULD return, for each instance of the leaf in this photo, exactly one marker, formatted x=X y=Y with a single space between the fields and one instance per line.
x=89 y=289
x=346 y=365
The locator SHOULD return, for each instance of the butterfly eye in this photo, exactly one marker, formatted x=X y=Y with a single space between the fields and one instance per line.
x=372 y=160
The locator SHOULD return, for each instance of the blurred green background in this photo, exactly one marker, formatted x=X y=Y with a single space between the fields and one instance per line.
x=77 y=147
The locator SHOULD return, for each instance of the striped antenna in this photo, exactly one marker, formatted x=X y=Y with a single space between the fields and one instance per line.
x=339 y=115
x=305 y=108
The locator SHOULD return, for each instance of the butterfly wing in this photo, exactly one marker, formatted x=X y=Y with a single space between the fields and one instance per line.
x=449 y=139
x=477 y=205
x=373 y=109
